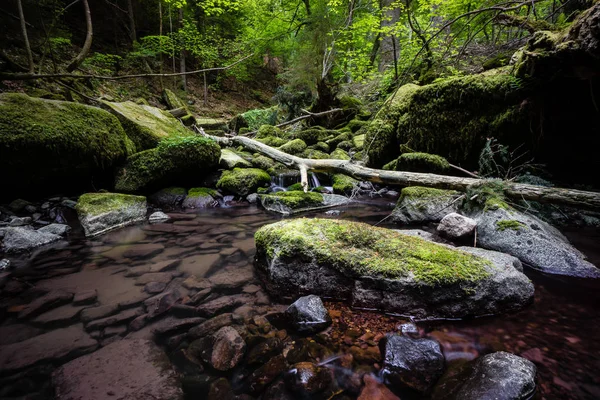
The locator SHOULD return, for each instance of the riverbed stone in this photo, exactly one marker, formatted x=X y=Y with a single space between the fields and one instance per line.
x=223 y=350
x=419 y=204
x=495 y=376
x=200 y=197
x=19 y=239
x=62 y=315
x=143 y=250
x=55 y=346
x=456 y=226
x=154 y=287
x=375 y=390
x=263 y=376
x=158 y=216
x=296 y=201
x=85 y=297
x=211 y=325
x=307 y=379
x=534 y=242
x=231 y=279
x=102 y=212
x=48 y=301
x=92 y=313
x=413 y=363
x=168 y=197
x=308 y=315
x=127 y=369
x=383 y=269
x=223 y=304
x=162 y=277
x=116 y=319
x=56 y=229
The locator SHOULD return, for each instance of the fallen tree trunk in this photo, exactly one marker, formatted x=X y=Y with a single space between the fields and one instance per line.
x=516 y=191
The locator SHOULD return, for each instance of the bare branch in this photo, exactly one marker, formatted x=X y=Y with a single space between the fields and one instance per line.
x=88 y=39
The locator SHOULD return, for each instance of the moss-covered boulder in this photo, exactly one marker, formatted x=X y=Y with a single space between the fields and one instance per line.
x=230 y=160
x=212 y=124
x=293 y=147
x=201 y=198
x=243 y=181
x=273 y=141
x=343 y=184
x=172 y=100
x=145 y=125
x=296 y=201
x=342 y=137
x=47 y=146
x=314 y=135
x=102 y=212
x=321 y=146
x=419 y=162
x=359 y=141
x=383 y=269
x=180 y=161
x=339 y=154
x=419 y=204
x=168 y=197
x=263 y=162
x=314 y=154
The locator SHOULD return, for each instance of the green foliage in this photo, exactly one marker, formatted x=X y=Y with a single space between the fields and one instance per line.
x=254 y=119
x=102 y=64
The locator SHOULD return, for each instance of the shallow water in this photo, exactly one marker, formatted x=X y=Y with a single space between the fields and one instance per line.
x=559 y=332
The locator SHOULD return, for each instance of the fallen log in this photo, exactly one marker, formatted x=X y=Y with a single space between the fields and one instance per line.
x=516 y=191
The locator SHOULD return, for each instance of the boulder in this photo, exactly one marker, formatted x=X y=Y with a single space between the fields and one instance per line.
x=534 y=242
x=170 y=197
x=127 y=369
x=343 y=184
x=375 y=390
x=201 y=198
x=50 y=145
x=18 y=239
x=296 y=201
x=456 y=226
x=413 y=363
x=383 y=269
x=230 y=160
x=243 y=181
x=46 y=302
x=223 y=350
x=308 y=315
x=175 y=161
x=102 y=212
x=495 y=376
x=55 y=229
x=419 y=204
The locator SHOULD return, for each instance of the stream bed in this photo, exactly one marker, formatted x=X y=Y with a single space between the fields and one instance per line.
x=558 y=332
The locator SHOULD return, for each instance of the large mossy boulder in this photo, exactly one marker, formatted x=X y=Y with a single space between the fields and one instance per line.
x=230 y=160
x=175 y=161
x=48 y=146
x=145 y=125
x=419 y=204
x=102 y=212
x=296 y=201
x=383 y=269
x=243 y=181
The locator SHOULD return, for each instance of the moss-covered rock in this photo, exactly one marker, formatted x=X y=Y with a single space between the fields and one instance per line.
x=230 y=160
x=314 y=154
x=359 y=141
x=169 y=197
x=321 y=146
x=172 y=100
x=297 y=201
x=244 y=181
x=355 y=125
x=273 y=141
x=146 y=126
x=380 y=268
x=200 y=197
x=175 y=161
x=293 y=147
x=342 y=137
x=419 y=204
x=47 y=146
x=212 y=124
x=102 y=212
x=263 y=162
x=419 y=162
x=314 y=135
x=266 y=131
x=339 y=154
x=346 y=145
x=343 y=184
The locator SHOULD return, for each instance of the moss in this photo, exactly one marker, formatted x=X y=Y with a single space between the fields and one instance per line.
x=314 y=154
x=253 y=119
x=47 y=146
x=295 y=199
x=268 y=130
x=273 y=141
x=172 y=100
x=202 y=192
x=420 y=192
x=321 y=146
x=212 y=124
x=146 y=126
x=355 y=125
x=359 y=141
x=343 y=184
x=176 y=160
x=360 y=250
x=511 y=224
x=489 y=195
x=263 y=162
x=91 y=204
x=262 y=190
x=346 y=145
x=350 y=102
x=342 y=137
x=313 y=135
x=422 y=162
x=243 y=181
x=339 y=154
x=391 y=166
x=295 y=146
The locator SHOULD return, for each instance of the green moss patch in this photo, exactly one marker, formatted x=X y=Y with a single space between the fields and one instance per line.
x=511 y=224
x=422 y=162
x=295 y=200
x=363 y=250
x=91 y=204
x=343 y=184
x=293 y=147
x=339 y=154
x=244 y=181
x=420 y=192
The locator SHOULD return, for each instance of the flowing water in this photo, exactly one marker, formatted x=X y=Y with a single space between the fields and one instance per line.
x=559 y=332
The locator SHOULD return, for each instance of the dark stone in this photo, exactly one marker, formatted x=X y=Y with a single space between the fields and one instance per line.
x=90 y=314
x=87 y=297
x=223 y=350
x=278 y=391
x=412 y=363
x=308 y=315
x=220 y=390
x=18 y=239
x=155 y=287
x=51 y=300
x=263 y=376
x=307 y=379
x=265 y=350
x=210 y=326
x=123 y=316
x=144 y=250
x=374 y=389
x=223 y=304
x=160 y=303
x=171 y=325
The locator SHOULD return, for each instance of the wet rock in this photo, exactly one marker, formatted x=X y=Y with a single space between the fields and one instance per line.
x=15 y=333
x=158 y=216
x=117 y=330
x=55 y=346
x=155 y=287
x=308 y=315
x=144 y=250
x=126 y=369
x=4 y=264
x=496 y=376
x=50 y=300
x=409 y=329
x=169 y=197
x=223 y=350
x=19 y=239
x=456 y=226
x=220 y=390
x=157 y=267
x=223 y=304
x=307 y=379
x=419 y=204
x=123 y=316
x=231 y=279
x=201 y=198
x=278 y=391
x=252 y=198
x=162 y=277
x=102 y=212
x=210 y=326
x=18 y=205
x=69 y=203
x=294 y=202
x=263 y=376
x=194 y=283
x=532 y=241
x=161 y=303
x=56 y=229
x=264 y=351
x=90 y=314
x=59 y=316
x=138 y=323
x=375 y=390
x=170 y=325
x=20 y=221
x=412 y=363
x=85 y=297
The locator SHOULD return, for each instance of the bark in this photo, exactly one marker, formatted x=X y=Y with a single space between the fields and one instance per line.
x=88 y=39
x=182 y=56
x=386 y=49
x=25 y=37
x=517 y=191
x=131 y=21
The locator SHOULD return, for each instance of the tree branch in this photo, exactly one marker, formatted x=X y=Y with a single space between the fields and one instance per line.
x=88 y=39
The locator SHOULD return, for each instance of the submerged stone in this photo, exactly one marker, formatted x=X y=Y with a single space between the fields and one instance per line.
x=383 y=269
x=307 y=379
x=308 y=315
x=297 y=201
x=18 y=239
x=420 y=204
x=102 y=212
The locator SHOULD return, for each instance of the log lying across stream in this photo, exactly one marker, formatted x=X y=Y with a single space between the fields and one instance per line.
x=516 y=191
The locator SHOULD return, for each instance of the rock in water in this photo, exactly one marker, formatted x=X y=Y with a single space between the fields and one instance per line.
x=456 y=226
x=102 y=212
x=413 y=363
x=17 y=239
x=383 y=269
x=243 y=181
x=306 y=379
x=532 y=241
x=375 y=390
x=420 y=204
x=496 y=376
x=224 y=349
x=169 y=197
x=201 y=198
x=308 y=315
x=56 y=229
x=297 y=201
x=158 y=216
x=127 y=369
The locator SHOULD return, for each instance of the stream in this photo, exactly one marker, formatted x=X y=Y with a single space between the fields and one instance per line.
x=558 y=332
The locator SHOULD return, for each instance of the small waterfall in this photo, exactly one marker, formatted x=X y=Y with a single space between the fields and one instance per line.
x=314 y=181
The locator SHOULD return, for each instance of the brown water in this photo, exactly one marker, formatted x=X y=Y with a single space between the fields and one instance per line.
x=559 y=332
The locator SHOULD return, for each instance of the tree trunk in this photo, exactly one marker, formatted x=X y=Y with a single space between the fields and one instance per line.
x=25 y=37
x=517 y=191
x=131 y=20
x=386 y=48
x=182 y=55
x=88 y=39
x=160 y=33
